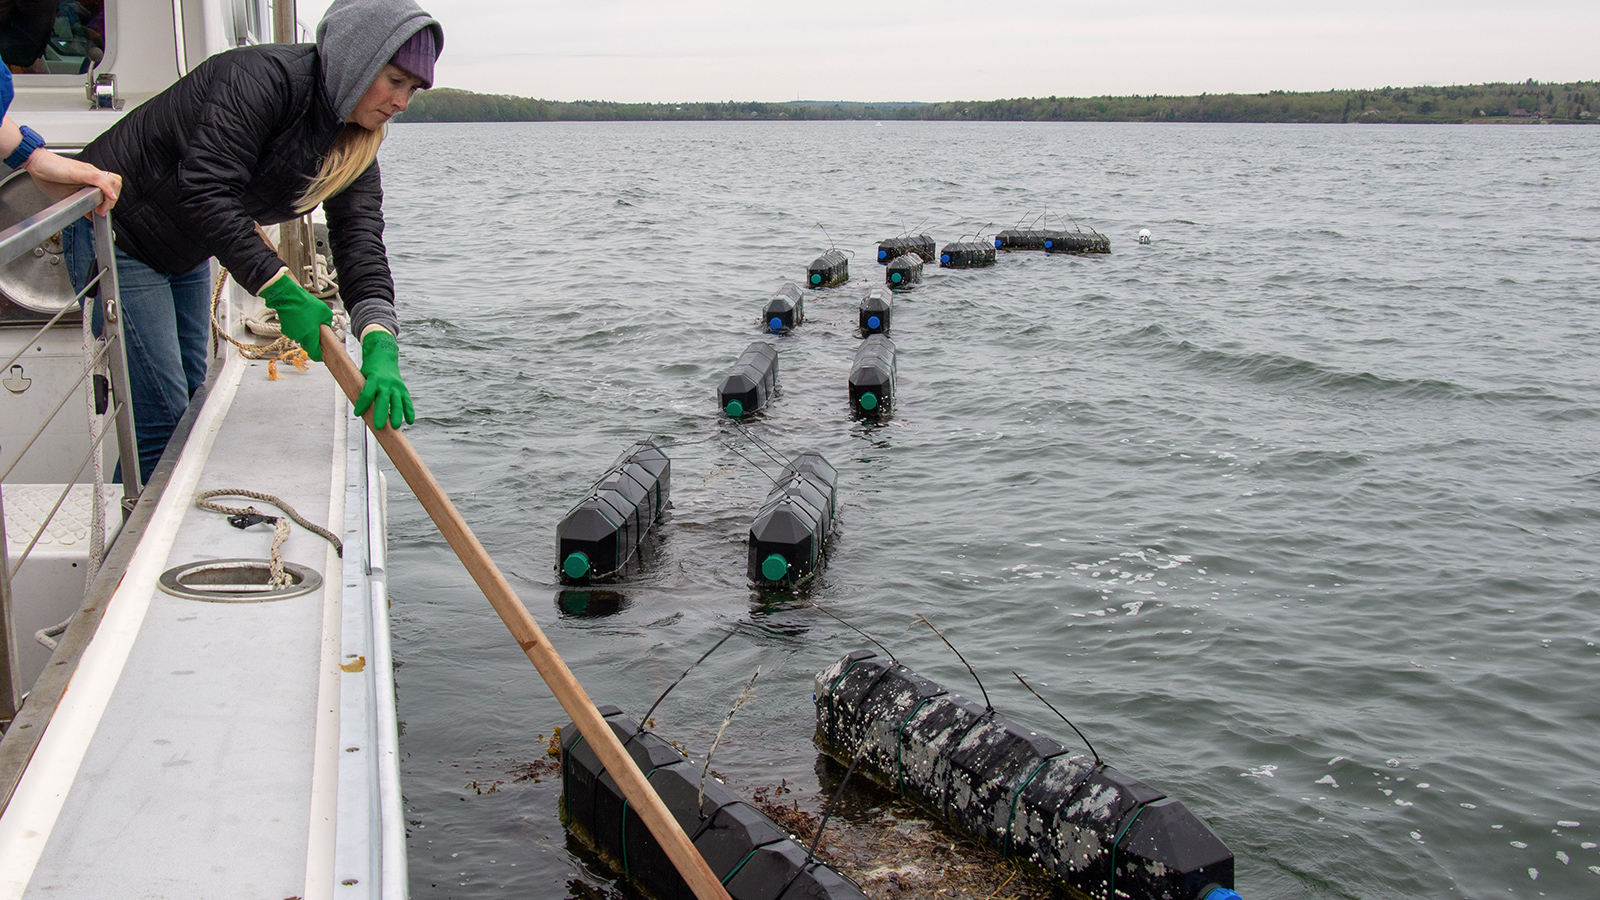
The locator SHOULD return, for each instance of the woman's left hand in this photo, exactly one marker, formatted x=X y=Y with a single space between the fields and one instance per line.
x=59 y=178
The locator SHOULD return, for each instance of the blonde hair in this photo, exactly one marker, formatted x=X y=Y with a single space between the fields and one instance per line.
x=352 y=152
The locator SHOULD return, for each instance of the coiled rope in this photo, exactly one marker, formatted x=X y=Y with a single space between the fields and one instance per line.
x=265 y=323
x=280 y=527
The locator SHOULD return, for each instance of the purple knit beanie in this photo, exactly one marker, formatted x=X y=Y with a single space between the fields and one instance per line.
x=416 y=55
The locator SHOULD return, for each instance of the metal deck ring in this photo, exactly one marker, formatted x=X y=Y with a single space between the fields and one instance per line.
x=236 y=581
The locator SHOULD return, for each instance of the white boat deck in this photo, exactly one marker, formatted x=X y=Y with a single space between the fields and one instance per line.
x=230 y=749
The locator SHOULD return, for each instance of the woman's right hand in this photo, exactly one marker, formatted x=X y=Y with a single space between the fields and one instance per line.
x=59 y=178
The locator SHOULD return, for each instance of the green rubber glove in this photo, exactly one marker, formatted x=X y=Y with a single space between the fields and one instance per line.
x=299 y=313
x=384 y=391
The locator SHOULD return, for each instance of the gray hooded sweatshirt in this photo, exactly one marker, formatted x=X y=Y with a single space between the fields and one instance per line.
x=357 y=38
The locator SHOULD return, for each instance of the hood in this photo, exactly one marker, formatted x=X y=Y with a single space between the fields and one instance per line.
x=356 y=38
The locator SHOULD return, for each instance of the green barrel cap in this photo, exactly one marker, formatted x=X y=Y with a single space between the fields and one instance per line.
x=869 y=401
x=734 y=409
x=895 y=277
x=816 y=277
x=576 y=565
x=774 y=568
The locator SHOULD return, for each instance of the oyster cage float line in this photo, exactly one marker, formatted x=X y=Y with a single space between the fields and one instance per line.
x=785 y=309
x=790 y=533
x=829 y=269
x=1024 y=238
x=877 y=309
x=922 y=245
x=753 y=857
x=752 y=381
x=600 y=537
x=966 y=255
x=1092 y=829
x=1077 y=242
x=903 y=272
x=872 y=377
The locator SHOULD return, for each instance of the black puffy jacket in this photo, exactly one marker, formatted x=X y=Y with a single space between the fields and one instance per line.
x=232 y=144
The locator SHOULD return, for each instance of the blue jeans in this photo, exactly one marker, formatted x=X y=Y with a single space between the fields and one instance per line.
x=166 y=324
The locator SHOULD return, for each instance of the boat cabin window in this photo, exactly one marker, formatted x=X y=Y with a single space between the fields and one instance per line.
x=52 y=37
x=251 y=22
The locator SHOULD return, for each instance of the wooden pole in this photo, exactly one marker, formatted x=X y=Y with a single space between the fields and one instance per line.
x=641 y=796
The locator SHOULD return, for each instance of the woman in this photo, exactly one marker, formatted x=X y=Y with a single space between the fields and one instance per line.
x=260 y=135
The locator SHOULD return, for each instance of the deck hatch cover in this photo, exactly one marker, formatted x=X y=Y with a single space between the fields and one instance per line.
x=237 y=581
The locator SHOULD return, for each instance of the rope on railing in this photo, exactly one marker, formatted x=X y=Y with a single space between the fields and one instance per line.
x=280 y=350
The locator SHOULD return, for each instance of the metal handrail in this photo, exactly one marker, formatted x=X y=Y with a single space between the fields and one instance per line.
x=60 y=314
x=94 y=447
x=66 y=395
x=14 y=242
x=36 y=229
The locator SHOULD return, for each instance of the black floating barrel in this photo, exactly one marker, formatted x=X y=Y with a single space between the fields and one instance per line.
x=600 y=536
x=1024 y=238
x=903 y=272
x=752 y=382
x=829 y=269
x=1077 y=242
x=967 y=255
x=922 y=245
x=791 y=531
x=872 y=377
x=785 y=310
x=752 y=856
x=1101 y=833
x=877 y=309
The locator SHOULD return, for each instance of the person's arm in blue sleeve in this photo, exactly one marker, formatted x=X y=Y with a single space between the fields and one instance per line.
x=57 y=176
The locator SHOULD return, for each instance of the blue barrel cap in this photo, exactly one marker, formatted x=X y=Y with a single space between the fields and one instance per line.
x=873 y=322
x=734 y=409
x=576 y=565
x=1221 y=893
x=774 y=568
x=816 y=277
x=776 y=324
x=1049 y=244
x=997 y=243
x=882 y=254
x=944 y=257
x=895 y=277
x=869 y=401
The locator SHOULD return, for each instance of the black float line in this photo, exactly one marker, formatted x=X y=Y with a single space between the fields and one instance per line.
x=645 y=719
x=678 y=443
x=827 y=811
x=737 y=452
x=1063 y=718
x=986 y=704
x=840 y=619
x=760 y=444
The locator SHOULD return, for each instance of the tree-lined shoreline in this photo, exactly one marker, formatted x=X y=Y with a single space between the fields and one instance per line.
x=1527 y=102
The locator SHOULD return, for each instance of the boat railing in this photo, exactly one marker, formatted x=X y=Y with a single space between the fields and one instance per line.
x=103 y=385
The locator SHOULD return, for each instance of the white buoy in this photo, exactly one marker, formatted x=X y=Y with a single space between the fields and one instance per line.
x=1144 y=235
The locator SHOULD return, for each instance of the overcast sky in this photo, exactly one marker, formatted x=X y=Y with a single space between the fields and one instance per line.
x=690 y=50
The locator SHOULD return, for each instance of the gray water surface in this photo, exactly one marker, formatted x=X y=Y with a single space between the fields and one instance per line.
x=1292 y=511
